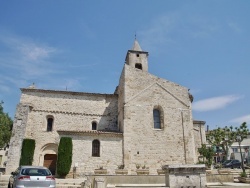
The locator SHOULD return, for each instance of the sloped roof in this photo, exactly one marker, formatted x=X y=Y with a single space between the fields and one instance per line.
x=65 y=92
x=136 y=46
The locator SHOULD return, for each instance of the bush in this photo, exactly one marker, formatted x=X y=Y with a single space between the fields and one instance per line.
x=64 y=158
x=27 y=153
x=243 y=174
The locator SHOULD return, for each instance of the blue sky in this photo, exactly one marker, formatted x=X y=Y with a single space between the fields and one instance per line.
x=81 y=45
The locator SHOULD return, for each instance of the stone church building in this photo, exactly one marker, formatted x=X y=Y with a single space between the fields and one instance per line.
x=147 y=121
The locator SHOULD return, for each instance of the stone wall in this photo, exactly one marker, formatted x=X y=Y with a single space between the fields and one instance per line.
x=125 y=125
x=18 y=134
x=3 y=157
x=110 y=153
x=144 y=145
x=71 y=111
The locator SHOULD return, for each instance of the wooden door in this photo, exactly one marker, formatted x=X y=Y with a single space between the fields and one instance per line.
x=50 y=162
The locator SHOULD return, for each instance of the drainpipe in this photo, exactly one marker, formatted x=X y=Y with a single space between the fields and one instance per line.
x=183 y=134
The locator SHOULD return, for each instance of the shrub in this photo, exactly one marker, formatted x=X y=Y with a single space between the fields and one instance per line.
x=27 y=153
x=243 y=174
x=64 y=158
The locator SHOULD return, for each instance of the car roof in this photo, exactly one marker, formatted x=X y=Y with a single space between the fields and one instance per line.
x=33 y=167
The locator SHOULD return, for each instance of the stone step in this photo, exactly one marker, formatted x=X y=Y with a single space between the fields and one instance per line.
x=4 y=177
x=4 y=181
x=4 y=184
x=67 y=186
x=139 y=187
x=136 y=185
x=229 y=186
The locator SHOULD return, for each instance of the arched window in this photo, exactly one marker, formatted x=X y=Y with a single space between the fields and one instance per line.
x=138 y=66
x=94 y=125
x=49 y=123
x=96 y=148
x=157 y=118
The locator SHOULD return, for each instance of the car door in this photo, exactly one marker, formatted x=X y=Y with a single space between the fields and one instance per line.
x=234 y=164
x=13 y=177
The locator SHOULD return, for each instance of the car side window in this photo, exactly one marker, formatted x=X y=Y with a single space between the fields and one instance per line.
x=24 y=172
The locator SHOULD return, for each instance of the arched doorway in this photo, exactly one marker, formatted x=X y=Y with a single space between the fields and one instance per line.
x=48 y=156
x=50 y=162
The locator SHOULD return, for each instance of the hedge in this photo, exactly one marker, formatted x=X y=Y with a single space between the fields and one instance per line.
x=64 y=158
x=27 y=153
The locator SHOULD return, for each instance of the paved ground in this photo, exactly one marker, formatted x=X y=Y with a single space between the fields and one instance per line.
x=228 y=184
x=73 y=183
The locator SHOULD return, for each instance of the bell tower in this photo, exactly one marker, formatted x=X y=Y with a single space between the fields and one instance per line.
x=137 y=58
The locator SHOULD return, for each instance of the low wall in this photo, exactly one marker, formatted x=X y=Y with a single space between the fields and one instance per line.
x=220 y=177
x=223 y=175
x=187 y=175
x=126 y=179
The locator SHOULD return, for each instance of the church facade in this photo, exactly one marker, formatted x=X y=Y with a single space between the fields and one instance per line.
x=147 y=122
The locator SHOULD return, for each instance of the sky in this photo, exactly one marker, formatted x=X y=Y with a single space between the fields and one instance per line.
x=81 y=46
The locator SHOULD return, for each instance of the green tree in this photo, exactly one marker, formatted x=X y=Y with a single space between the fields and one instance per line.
x=225 y=137
x=206 y=152
x=5 y=127
x=64 y=158
x=240 y=134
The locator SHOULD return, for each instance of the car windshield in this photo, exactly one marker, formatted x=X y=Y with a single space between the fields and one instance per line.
x=226 y=161
x=35 y=172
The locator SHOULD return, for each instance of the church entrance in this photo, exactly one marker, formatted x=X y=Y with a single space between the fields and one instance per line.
x=50 y=162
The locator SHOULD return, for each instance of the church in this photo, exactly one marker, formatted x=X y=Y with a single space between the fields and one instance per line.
x=147 y=122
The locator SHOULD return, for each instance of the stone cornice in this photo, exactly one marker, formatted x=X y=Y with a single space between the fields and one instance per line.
x=69 y=113
x=199 y=122
x=90 y=133
x=66 y=92
x=139 y=52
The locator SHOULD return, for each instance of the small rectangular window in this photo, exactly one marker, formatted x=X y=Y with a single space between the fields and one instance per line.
x=96 y=148
x=157 y=119
x=235 y=150
x=49 y=124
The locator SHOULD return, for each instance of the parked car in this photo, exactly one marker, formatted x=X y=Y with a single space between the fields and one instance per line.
x=31 y=176
x=231 y=164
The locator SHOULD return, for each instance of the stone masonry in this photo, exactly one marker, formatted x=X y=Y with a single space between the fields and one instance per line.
x=125 y=123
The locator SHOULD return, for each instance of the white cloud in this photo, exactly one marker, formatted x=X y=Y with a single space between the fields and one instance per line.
x=235 y=27
x=24 y=61
x=163 y=29
x=158 y=30
x=35 y=52
x=215 y=103
x=241 y=119
x=26 y=55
